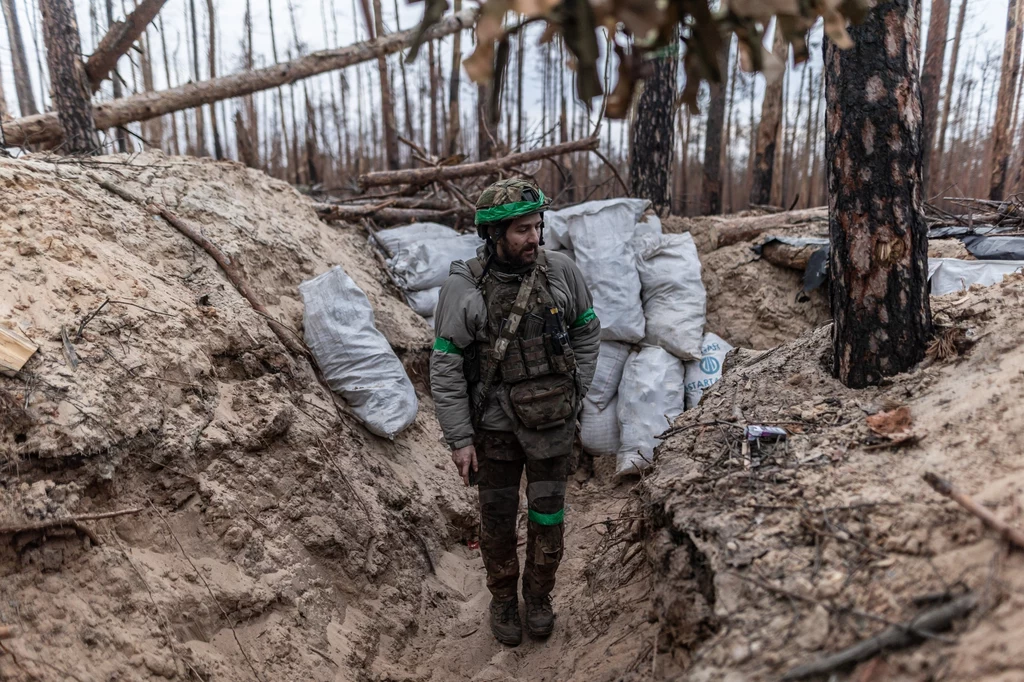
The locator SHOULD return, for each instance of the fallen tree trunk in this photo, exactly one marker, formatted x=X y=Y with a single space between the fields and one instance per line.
x=45 y=129
x=423 y=176
x=118 y=40
x=788 y=256
x=390 y=215
x=735 y=230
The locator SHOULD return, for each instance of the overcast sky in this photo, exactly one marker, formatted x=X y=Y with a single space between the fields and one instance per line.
x=328 y=23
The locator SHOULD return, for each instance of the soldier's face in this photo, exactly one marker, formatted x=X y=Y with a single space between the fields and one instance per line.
x=521 y=242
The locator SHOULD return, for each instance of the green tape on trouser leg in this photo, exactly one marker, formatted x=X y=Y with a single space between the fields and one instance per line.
x=547 y=519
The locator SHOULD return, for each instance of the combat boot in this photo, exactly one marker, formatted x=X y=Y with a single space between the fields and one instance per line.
x=540 y=618
x=505 y=623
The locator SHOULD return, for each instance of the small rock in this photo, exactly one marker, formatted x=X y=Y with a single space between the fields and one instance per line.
x=740 y=654
x=814 y=630
x=161 y=665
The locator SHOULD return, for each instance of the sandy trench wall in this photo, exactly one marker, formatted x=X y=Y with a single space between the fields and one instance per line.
x=265 y=517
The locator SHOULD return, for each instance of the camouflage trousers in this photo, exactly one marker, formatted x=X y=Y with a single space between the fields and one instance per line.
x=501 y=462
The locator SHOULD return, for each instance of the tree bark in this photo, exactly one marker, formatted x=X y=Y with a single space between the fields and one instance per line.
x=878 y=262
x=175 y=145
x=200 y=121
x=422 y=176
x=768 y=129
x=950 y=81
x=218 y=151
x=387 y=103
x=19 y=61
x=711 y=188
x=119 y=134
x=118 y=40
x=45 y=128
x=730 y=106
x=435 y=149
x=1002 y=135
x=931 y=77
x=654 y=134
x=153 y=132
x=67 y=77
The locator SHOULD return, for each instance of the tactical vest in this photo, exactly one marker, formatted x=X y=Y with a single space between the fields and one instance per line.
x=539 y=367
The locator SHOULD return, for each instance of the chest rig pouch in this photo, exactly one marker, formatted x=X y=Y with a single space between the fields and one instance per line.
x=538 y=365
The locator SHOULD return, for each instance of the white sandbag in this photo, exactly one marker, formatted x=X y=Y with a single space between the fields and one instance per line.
x=648 y=224
x=650 y=396
x=672 y=291
x=700 y=374
x=600 y=233
x=556 y=223
x=608 y=373
x=425 y=264
x=423 y=303
x=556 y=232
x=355 y=358
x=599 y=428
x=952 y=274
x=394 y=239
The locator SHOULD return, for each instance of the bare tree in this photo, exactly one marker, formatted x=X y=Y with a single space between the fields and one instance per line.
x=218 y=151
x=68 y=81
x=1004 y=104
x=768 y=129
x=376 y=28
x=454 y=118
x=19 y=62
x=200 y=123
x=175 y=145
x=878 y=263
x=950 y=80
x=931 y=77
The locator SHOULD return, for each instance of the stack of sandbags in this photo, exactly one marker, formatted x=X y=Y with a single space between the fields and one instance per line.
x=420 y=256
x=599 y=417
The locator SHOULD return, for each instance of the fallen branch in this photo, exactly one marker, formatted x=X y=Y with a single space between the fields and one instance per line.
x=1012 y=535
x=789 y=256
x=728 y=231
x=388 y=215
x=118 y=40
x=423 y=176
x=45 y=129
x=896 y=637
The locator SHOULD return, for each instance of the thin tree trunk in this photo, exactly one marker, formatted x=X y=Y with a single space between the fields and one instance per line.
x=119 y=39
x=768 y=129
x=454 y=84
x=175 y=145
x=119 y=134
x=878 y=263
x=386 y=99
x=711 y=188
x=805 y=165
x=154 y=130
x=19 y=61
x=251 y=120
x=405 y=84
x=521 y=39
x=200 y=122
x=280 y=92
x=68 y=81
x=816 y=181
x=36 y=30
x=4 y=113
x=727 y=146
x=950 y=81
x=1002 y=134
x=931 y=77
x=788 y=167
x=218 y=151
x=432 y=64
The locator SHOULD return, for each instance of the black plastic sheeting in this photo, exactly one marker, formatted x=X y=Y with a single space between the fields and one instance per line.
x=995 y=247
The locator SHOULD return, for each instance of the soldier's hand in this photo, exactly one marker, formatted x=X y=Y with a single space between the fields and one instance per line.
x=465 y=458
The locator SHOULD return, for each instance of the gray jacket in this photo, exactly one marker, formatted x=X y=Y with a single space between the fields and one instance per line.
x=461 y=319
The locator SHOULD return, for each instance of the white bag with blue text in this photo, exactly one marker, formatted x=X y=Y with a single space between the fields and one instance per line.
x=704 y=373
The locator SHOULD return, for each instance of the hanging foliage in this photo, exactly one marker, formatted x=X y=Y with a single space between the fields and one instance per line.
x=642 y=31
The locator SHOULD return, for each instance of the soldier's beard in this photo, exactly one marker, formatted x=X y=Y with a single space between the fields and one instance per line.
x=525 y=255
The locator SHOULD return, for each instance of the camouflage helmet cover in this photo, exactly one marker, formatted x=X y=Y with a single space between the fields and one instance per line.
x=506 y=200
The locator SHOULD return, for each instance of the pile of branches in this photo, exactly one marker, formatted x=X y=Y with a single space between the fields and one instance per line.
x=1006 y=216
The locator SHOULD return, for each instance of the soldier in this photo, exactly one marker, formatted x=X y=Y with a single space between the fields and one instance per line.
x=516 y=348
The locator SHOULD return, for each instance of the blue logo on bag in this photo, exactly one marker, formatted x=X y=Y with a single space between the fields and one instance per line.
x=710 y=365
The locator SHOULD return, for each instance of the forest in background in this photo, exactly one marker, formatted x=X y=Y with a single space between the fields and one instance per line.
x=320 y=133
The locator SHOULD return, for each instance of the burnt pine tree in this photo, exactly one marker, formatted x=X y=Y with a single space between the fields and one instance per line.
x=931 y=78
x=653 y=133
x=768 y=129
x=711 y=185
x=879 y=241
x=70 y=85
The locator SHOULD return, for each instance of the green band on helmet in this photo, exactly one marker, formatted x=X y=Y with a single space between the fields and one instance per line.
x=585 y=318
x=446 y=346
x=547 y=519
x=496 y=214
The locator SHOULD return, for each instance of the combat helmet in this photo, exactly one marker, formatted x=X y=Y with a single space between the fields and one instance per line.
x=506 y=200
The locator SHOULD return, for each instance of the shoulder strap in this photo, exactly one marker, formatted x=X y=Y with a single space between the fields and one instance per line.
x=476 y=268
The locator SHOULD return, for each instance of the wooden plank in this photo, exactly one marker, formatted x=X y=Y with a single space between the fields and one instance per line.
x=15 y=350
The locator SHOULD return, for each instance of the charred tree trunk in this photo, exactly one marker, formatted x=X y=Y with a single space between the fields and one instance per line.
x=68 y=81
x=387 y=103
x=931 y=77
x=454 y=115
x=654 y=135
x=200 y=122
x=432 y=65
x=1002 y=135
x=119 y=134
x=711 y=188
x=878 y=264
x=19 y=61
x=730 y=106
x=768 y=129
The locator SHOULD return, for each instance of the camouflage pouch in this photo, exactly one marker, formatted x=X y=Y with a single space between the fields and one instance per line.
x=535 y=355
x=513 y=369
x=545 y=402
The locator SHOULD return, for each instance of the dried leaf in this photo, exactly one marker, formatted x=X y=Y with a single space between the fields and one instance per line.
x=480 y=65
x=893 y=422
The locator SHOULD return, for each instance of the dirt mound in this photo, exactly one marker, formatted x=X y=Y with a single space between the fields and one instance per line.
x=768 y=558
